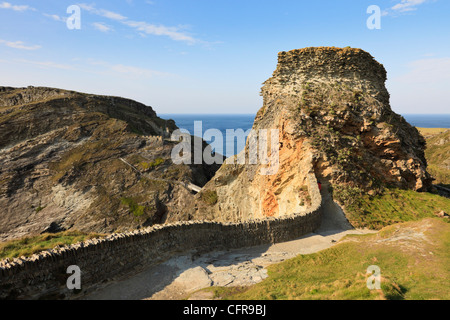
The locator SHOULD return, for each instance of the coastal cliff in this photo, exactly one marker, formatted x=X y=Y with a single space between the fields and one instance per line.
x=75 y=161
x=330 y=109
x=102 y=164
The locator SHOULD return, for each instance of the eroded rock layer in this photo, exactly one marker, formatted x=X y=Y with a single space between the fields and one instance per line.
x=93 y=163
x=331 y=110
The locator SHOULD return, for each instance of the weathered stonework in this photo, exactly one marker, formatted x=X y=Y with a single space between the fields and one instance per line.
x=331 y=109
x=353 y=67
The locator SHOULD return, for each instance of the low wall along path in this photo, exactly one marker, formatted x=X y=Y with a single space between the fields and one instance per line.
x=44 y=275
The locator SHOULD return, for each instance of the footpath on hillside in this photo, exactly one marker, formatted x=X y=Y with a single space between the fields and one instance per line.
x=182 y=276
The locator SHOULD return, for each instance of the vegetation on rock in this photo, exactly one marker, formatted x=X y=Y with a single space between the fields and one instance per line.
x=209 y=197
x=80 y=155
x=34 y=244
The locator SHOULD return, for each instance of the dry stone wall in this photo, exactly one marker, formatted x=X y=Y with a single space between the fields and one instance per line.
x=44 y=275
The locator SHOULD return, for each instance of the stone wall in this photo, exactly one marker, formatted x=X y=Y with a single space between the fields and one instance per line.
x=43 y=275
x=352 y=67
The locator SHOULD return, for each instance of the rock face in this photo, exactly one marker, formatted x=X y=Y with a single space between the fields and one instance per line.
x=70 y=160
x=101 y=164
x=438 y=155
x=331 y=110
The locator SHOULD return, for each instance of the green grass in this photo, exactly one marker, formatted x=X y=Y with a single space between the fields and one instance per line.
x=209 y=197
x=442 y=175
x=153 y=164
x=30 y=245
x=438 y=153
x=431 y=131
x=39 y=208
x=134 y=208
x=340 y=272
x=394 y=206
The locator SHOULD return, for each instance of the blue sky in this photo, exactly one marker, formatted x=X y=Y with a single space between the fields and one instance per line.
x=209 y=56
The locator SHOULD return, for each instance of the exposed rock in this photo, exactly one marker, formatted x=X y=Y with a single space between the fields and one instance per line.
x=442 y=214
x=331 y=109
x=194 y=279
x=94 y=163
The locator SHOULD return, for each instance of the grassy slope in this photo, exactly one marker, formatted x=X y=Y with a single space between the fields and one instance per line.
x=412 y=267
x=438 y=153
x=426 y=132
x=394 y=206
x=30 y=245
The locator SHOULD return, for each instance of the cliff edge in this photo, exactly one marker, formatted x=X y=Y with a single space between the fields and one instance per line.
x=76 y=161
x=330 y=110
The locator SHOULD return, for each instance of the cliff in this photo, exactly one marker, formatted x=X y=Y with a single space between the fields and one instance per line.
x=92 y=163
x=82 y=161
x=330 y=109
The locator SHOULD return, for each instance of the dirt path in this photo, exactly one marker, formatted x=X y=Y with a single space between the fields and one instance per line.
x=180 y=276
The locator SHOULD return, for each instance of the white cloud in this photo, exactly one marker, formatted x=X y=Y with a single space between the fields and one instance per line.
x=135 y=71
x=55 y=17
x=407 y=5
x=160 y=30
x=101 y=27
x=19 y=45
x=174 y=33
x=7 y=5
x=101 y=12
x=112 y=15
x=404 y=6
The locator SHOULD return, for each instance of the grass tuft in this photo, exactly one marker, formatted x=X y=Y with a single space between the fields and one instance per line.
x=209 y=197
x=394 y=206
x=30 y=245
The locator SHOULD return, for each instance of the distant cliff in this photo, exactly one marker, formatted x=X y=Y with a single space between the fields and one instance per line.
x=331 y=109
x=438 y=154
x=70 y=160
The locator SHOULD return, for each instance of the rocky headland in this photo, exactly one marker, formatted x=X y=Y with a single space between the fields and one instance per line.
x=102 y=164
x=331 y=109
x=75 y=161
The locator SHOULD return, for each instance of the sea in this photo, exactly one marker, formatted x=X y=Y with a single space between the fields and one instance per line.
x=232 y=146
x=221 y=122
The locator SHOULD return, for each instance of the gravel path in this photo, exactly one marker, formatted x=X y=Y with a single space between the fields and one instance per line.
x=181 y=276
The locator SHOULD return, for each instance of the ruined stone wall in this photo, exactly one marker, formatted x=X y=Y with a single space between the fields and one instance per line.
x=352 y=67
x=43 y=275
x=338 y=102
